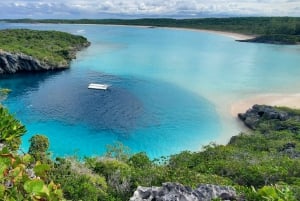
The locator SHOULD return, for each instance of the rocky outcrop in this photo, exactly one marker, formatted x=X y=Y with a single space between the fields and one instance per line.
x=258 y=112
x=277 y=121
x=178 y=192
x=14 y=62
x=289 y=149
x=11 y=63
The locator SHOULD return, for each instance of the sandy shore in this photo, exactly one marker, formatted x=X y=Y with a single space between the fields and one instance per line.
x=228 y=111
x=235 y=36
x=288 y=100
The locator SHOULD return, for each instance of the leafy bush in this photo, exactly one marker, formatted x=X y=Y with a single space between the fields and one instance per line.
x=76 y=183
x=276 y=193
x=10 y=130
x=19 y=182
x=117 y=151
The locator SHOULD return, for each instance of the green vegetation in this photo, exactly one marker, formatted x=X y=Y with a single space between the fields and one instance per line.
x=20 y=177
x=271 y=193
x=50 y=47
x=39 y=145
x=284 y=30
x=263 y=164
x=10 y=130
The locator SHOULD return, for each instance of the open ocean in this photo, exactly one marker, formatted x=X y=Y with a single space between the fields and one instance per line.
x=169 y=89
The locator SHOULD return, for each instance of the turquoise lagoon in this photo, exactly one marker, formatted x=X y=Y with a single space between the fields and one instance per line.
x=171 y=89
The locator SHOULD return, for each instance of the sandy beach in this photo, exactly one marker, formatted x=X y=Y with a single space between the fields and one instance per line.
x=235 y=36
x=229 y=110
x=288 y=100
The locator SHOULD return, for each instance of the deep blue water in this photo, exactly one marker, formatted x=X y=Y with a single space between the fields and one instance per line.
x=166 y=89
x=147 y=115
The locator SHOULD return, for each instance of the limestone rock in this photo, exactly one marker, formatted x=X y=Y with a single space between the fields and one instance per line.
x=178 y=192
x=15 y=62
x=11 y=63
x=252 y=117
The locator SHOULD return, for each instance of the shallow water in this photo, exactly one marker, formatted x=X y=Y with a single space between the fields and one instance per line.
x=170 y=89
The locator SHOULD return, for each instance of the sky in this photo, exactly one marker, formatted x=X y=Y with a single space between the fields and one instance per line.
x=75 y=9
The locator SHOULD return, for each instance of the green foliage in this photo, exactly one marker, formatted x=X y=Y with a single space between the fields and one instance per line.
x=276 y=193
x=117 y=174
x=41 y=170
x=39 y=145
x=16 y=183
x=78 y=184
x=18 y=180
x=117 y=151
x=107 y=166
x=291 y=111
x=10 y=130
x=51 y=47
x=140 y=160
x=80 y=188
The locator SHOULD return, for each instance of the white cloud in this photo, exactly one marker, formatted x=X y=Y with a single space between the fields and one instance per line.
x=148 y=8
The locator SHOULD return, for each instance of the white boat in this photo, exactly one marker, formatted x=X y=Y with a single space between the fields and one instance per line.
x=98 y=86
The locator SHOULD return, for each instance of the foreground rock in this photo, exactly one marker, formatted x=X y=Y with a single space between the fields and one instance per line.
x=253 y=116
x=178 y=192
x=277 y=120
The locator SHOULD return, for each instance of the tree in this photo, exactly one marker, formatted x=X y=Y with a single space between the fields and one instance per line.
x=118 y=151
x=39 y=145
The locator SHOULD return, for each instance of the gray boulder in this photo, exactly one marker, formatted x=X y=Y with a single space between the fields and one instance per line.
x=178 y=192
x=253 y=116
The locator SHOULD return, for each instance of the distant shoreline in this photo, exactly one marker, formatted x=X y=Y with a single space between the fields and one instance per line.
x=235 y=36
x=267 y=30
x=287 y=100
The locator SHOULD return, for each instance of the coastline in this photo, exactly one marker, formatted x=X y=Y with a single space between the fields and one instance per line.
x=287 y=100
x=235 y=36
x=228 y=108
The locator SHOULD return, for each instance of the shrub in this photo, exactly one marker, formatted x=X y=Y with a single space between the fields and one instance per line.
x=39 y=145
x=18 y=182
x=11 y=130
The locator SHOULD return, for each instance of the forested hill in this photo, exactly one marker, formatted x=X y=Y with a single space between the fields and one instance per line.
x=32 y=50
x=282 y=30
